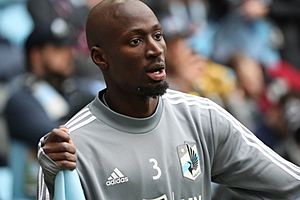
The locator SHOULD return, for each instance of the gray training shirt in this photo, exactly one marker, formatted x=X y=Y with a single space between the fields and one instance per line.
x=174 y=154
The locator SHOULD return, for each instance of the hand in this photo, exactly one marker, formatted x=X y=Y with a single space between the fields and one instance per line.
x=60 y=148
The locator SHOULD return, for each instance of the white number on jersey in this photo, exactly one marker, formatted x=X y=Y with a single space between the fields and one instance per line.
x=156 y=168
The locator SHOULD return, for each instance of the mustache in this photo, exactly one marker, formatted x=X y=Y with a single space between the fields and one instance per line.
x=156 y=65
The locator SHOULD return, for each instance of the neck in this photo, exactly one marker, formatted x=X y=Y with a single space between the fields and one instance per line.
x=133 y=106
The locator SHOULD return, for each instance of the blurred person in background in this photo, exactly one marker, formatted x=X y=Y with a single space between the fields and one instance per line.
x=245 y=41
x=246 y=30
x=249 y=41
x=11 y=65
x=49 y=65
x=47 y=94
x=70 y=13
x=192 y=73
x=191 y=17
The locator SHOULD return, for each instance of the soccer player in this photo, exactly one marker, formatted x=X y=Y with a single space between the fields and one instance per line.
x=139 y=140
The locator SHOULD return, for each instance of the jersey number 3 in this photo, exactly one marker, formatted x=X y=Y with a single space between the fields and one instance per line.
x=156 y=168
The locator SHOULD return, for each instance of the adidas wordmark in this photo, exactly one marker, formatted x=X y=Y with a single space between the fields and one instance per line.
x=116 y=177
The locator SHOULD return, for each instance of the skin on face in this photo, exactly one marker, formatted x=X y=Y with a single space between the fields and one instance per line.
x=126 y=42
x=57 y=61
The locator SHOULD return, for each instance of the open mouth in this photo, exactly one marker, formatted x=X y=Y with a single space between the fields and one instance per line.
x=157 y=74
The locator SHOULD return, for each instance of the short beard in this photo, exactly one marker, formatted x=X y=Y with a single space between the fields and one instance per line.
x=158 y=90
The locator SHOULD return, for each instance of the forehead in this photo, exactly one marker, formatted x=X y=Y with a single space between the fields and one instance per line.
x=133 y=14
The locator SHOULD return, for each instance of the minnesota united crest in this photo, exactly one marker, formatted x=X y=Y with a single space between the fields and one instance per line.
x=189 y=160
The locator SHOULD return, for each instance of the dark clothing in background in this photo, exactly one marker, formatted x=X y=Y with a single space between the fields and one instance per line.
x=286 y=14
x=27 y=118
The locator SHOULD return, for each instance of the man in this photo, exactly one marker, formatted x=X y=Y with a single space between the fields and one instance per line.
x=138 y=140
x=40 y=99
x=49 y=64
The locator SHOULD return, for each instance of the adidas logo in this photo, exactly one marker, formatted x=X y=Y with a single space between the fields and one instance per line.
x=116 y=177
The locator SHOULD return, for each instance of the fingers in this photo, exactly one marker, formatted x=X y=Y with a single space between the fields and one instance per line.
x=64 y=160
x=59 y=147
x=66 y=164
x=63 y=156
x=58 y=135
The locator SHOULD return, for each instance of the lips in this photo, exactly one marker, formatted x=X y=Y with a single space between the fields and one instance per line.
x=157 y=75
x=157 y=72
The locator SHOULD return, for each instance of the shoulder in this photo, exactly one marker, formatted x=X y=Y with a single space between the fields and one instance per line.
x=196 y=106
x=174 y=97
x=80 y=120
x=20 y=101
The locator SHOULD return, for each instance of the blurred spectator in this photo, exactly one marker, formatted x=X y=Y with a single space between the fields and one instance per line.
x=42 y=98
x=48 y=92
x=190 y=16
x=286 y=15
x=184 y=66
x=243 y=41
x=246 y=31
x=191 y=73
x=70 y=13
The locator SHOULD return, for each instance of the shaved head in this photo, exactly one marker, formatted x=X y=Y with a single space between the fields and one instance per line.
x=105 y=15
x=126 y=42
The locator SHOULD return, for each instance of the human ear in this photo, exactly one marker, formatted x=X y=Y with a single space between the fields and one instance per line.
x=98 y=57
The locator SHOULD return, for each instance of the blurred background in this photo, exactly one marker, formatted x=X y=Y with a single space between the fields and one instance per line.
x=242 y=54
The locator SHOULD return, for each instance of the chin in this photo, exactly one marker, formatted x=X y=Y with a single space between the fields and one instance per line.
x=157 y=90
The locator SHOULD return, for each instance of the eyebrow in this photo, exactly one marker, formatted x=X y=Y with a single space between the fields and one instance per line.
x=141 y=31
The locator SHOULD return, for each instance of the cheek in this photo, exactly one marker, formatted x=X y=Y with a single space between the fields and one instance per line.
x=129 y=63
x=61 y=63
x=125 y=73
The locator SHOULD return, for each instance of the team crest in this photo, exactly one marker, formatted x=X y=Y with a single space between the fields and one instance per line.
x=189 y=160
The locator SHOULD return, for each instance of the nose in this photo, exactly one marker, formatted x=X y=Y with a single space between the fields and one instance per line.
x=155 y=48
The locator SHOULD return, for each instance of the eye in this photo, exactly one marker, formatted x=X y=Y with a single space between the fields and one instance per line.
x=158 y=36
x=135 y=42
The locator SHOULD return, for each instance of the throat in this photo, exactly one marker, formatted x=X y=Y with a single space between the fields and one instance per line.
x=139 y=107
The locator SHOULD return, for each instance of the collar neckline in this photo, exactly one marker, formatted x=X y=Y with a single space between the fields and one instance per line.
x=122 y=122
